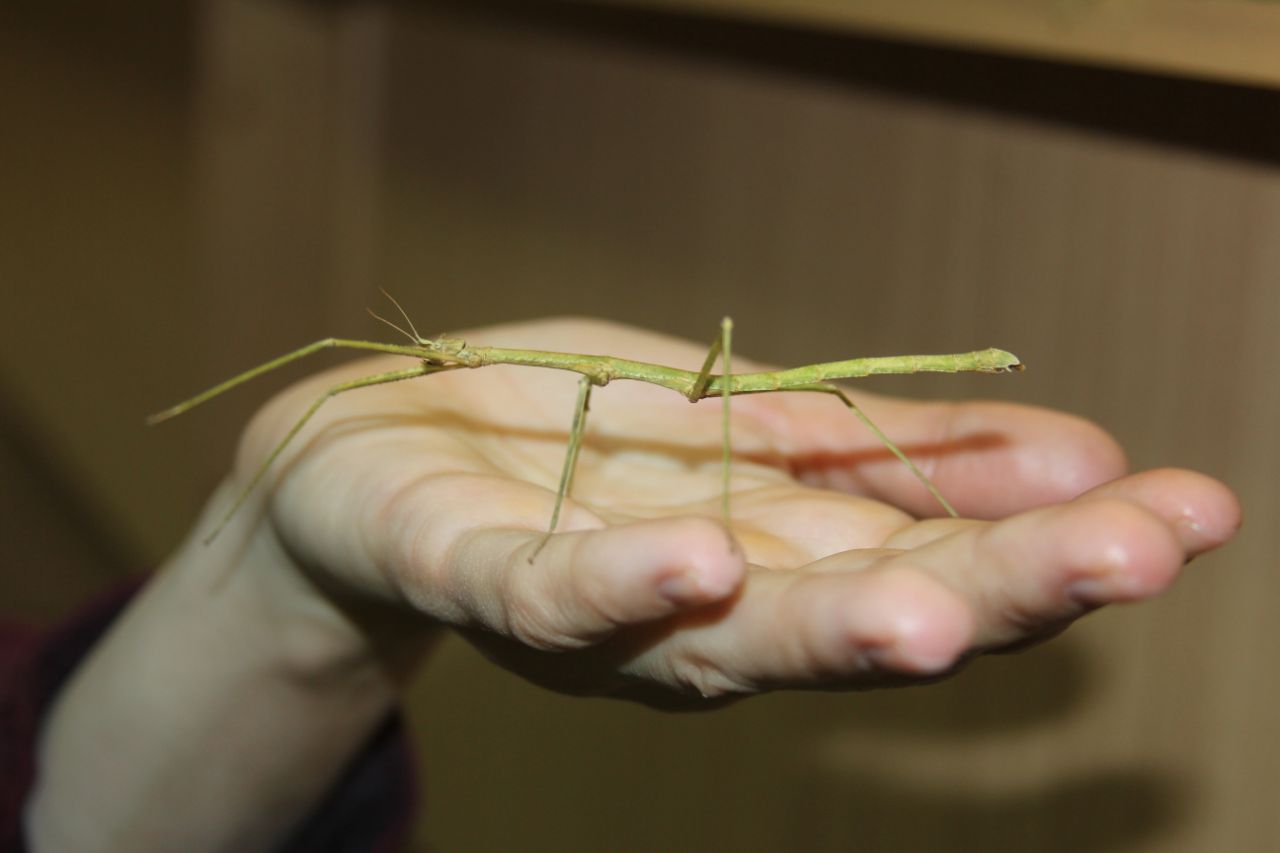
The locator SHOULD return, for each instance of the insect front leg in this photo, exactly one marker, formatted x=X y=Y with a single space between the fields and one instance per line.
x=421 y=369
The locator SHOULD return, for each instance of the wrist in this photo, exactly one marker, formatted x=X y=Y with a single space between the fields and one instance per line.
x=315 y=629
x=218 y=708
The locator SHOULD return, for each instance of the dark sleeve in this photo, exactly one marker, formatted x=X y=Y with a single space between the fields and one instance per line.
x=369 y=809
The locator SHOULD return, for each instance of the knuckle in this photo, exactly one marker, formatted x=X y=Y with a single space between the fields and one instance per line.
x=534 y=615
x=592 y=598
x=534 y=627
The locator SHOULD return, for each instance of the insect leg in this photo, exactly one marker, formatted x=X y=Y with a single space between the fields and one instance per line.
x=576 y=431
x=422 y=369
x=726 y=334
x=722 y=345
x=301 y=352
x=699 y=388
x=828 y=388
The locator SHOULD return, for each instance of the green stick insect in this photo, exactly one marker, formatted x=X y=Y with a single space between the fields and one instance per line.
x=437 y=355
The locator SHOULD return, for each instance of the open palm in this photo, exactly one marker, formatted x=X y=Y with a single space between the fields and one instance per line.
x=434 y=495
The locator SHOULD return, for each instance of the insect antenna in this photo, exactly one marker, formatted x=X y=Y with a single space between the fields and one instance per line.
x=375 y=315
x=403 y=313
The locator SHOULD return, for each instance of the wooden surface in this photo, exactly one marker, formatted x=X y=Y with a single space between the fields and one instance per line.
x=1228 y=40
x=839 y=196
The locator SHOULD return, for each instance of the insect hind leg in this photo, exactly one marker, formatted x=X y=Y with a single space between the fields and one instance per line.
x=828 y=388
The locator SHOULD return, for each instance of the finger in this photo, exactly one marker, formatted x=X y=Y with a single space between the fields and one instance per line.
x=930 y=530
x=1202 y=512
x=1011 y=458
x=1030 y=573
x=789 y=629
x=584 y=585
x=990 y=459
x=788 y=526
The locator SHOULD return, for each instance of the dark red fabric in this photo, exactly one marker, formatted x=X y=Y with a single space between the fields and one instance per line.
x=369 y=810
x=19 y=713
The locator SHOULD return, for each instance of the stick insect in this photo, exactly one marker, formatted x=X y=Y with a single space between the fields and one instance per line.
x=440 y=354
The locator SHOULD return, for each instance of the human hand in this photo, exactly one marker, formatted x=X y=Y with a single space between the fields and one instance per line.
x=431 y=496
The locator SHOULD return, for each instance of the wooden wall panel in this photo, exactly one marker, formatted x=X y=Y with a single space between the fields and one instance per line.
x=623 y=167
x=838 y=196
x=95 y=252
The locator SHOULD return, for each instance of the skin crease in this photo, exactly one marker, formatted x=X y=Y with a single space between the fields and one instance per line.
x=416 y=506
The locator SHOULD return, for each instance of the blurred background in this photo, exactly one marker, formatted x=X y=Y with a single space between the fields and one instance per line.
x=189 y=188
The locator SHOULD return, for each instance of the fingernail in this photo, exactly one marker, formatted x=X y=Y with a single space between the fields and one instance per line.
x=1089 y=591
x=681 y=589
x=1104 y=589
x=917 y=661
x=694 y=588
x=1193 y=536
